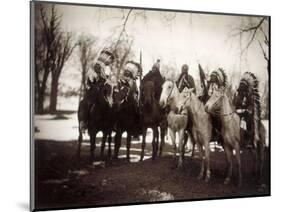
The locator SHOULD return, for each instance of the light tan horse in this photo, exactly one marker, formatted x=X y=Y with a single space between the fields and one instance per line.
x=176 y=122
x=201 y=128
x=219 y=105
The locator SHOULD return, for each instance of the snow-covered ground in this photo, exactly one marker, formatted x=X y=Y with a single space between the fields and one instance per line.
x=67 y=129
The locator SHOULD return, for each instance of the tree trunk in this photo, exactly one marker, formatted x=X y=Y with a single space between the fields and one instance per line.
x=54 y=93
x=40 y=104
x=83 y=83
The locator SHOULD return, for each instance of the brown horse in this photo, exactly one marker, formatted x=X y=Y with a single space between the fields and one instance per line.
x=97 y=116
x=151 y=117
x=127 y=117
x=201 y=128
x=219 y=105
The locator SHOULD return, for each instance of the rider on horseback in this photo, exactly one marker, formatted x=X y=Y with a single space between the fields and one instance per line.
x=155 y=76
x=95 y=81
x=185 y=80
x=129 y=76
x=217 y=79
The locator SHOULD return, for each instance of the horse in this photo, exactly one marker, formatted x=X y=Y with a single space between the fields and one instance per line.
x=247 y=104
x=201 y=128
x=219 y=105
x=151 y=117
x=176 y=122
x=97 y=115
x=127 y=116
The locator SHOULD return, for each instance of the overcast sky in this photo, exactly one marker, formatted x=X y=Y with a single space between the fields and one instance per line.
x=175 y=38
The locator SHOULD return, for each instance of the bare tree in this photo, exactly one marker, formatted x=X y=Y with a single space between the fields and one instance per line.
x=86 y=54
x=255 y=31
x=63 y=49
x=46 y=31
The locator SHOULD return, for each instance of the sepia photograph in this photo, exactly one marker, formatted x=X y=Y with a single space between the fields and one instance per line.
x=139 y=105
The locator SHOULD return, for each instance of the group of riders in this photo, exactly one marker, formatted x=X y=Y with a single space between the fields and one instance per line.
x=101 y=73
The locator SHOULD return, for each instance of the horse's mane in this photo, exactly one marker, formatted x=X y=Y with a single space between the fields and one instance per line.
x=251 y=81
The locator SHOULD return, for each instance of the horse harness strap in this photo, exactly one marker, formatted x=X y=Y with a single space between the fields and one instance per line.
x=171 y=90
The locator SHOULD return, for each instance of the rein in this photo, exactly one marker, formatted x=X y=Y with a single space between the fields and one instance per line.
x=171 y=90
x=219 y=114
x=184 y=104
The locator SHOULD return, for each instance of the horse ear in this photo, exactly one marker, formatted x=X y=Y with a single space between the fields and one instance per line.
x=185 y=90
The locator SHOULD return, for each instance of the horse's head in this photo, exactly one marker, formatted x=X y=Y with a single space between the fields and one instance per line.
x=185 y=97
x=107 y=93
x=148 y=93
x=121 y=94
x=167 y=93
x=214 y=103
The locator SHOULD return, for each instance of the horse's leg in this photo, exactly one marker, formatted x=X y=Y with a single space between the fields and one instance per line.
x=93 y=144
x=238 y=158
x=173 y=138
x=162 y=134
x=207 y=159
x=129 y=137
x=193 y=143
x=144 y=129
x=109 y=145
x=80 y=139
x=157 y=140
x=185 y=139
x=154 y=142
x=181 y=148
x=117 y=143
x=228 y=152
x=261 y=161
x=104 y=136
x=201 y=174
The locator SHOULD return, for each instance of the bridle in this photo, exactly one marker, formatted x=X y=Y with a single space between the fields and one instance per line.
x=168 y=98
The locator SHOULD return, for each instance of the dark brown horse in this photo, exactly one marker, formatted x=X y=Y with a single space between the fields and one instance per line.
x=152 y=117
x=97 y=114
x=127 y=116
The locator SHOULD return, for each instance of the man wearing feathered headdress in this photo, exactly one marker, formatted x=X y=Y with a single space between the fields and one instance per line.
x=96 y=79
x=129 y=75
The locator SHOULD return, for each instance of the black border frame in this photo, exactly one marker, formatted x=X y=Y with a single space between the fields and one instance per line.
x=31 y=90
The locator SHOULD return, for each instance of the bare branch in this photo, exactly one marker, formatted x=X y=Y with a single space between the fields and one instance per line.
x=264 y=53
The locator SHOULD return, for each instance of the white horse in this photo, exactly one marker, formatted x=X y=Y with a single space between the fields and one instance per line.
x=176 y=122
x=201 y=127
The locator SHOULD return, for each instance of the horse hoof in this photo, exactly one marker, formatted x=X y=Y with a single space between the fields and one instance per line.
x=180 y=166
x=226 y=181
x=200 y=177
x=207 y=179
